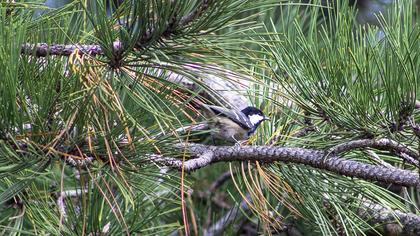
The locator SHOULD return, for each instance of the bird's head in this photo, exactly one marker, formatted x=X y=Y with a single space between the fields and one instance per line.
x=255 y=115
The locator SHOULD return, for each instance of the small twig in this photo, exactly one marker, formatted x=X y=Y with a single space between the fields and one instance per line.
x=215 y=198
x=333 y=217
x=199 y=11
x=62 y=208
x=379 y=160
x=408 y=159
x=416 y=130
x=218 y=227
x=309 y=126
x=404 y=116
x=43 y=49
x=20 y=215
x=60 y=200
x=220 y=181
x=304 y=131
x=231 y=215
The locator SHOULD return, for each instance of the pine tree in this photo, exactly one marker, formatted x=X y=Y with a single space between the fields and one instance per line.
x=101 y=131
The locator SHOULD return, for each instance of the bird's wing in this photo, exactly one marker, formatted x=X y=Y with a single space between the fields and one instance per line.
x=236 y=116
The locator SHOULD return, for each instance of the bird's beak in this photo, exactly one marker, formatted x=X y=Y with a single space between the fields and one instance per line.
x=266 y=118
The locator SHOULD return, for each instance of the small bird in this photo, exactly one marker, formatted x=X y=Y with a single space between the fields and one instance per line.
x=233 y=125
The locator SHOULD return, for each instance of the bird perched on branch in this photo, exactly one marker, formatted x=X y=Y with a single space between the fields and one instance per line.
x=233 y=125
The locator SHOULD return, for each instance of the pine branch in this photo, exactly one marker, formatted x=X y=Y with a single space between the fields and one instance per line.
x=175 y=23
x=207 y=155
x=381 y=144
x=43 y=49
x=409 y=222
x=308 y=128
x=199 y=11
x=220 y=181
x=227 y=218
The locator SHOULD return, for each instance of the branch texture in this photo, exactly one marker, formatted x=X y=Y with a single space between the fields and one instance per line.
x=410 y=223
x=43 y=49
x=207 y=155
x=381 y=144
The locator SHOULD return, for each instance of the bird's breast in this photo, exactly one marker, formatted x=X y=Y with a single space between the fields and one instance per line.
x=227 y=129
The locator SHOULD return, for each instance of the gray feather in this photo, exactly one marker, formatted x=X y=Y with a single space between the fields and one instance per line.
x=235 y=115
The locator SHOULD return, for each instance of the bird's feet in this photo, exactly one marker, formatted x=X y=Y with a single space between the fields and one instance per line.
x=239 y=143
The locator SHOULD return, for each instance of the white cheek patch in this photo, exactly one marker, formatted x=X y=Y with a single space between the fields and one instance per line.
x=255 y=119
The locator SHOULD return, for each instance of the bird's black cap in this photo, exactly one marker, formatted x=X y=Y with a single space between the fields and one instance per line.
x=249 y=111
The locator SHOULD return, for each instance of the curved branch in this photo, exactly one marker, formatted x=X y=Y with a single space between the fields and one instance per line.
x=205 y=159
x=310 y=157
x=381 y=144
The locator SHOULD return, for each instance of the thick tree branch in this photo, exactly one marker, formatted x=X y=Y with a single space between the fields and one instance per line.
x=265 y=154
x=205 y=159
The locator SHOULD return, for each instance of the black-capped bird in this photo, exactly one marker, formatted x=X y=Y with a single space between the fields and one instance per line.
x=233 y=125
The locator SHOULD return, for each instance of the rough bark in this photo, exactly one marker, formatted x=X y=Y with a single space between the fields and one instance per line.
x=206 y=155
